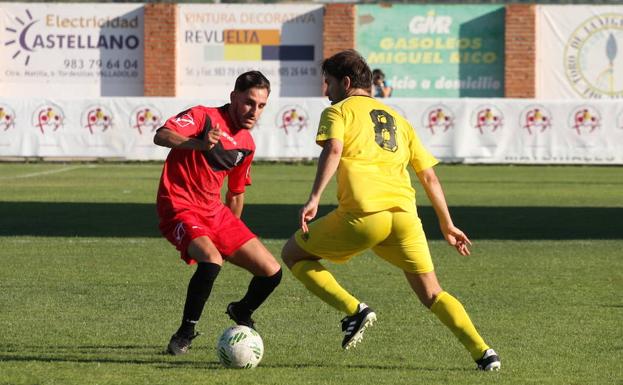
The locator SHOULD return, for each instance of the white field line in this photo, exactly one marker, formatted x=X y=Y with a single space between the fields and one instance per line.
x=36 y=174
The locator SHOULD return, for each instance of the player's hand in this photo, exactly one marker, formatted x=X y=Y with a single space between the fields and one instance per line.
x=458 y=239
x=307 y=213
x=213 y=136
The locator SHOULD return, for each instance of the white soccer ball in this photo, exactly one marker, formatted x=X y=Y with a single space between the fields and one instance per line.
x=240 y=347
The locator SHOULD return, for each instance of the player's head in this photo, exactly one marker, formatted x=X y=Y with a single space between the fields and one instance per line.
x=248 y=99
x=377 y=76
x=344 y=73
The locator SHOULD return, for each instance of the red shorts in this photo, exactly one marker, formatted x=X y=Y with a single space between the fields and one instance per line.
x=227 y=232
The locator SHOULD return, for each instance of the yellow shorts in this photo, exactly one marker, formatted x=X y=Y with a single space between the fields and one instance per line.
x=396 y=236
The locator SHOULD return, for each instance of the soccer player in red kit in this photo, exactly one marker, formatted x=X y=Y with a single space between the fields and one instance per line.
x=207 y=145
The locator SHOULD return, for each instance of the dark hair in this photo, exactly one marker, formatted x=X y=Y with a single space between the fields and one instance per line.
x=378 y=73
x=251 y=79
x=349 y=63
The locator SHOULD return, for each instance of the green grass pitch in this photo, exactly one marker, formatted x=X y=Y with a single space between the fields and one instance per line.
x=90 y=292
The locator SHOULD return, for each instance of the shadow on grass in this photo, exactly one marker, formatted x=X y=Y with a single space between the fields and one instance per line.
x=149 y=355
x=279 y=221
x=173 y=362
x=103 y=359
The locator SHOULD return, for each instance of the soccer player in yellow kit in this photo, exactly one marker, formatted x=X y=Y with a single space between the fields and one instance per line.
x=370 y=145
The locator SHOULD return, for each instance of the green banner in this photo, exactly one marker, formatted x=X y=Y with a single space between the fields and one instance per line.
x=435 y=50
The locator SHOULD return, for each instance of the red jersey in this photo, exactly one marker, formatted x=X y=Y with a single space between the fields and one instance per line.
x=193 y=179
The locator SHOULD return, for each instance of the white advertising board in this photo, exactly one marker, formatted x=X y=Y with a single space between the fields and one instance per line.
x=518 y=131
x=65 y=50
x=579 y=52
x=217 y=42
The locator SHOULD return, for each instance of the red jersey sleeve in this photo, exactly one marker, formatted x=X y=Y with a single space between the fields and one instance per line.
x=240 y=176
x=188 y=123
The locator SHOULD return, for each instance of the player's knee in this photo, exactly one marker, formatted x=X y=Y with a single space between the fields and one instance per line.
x=427 y=294
x=203 y=250
x=292 y=253
x=274 y=268
x=203 y=255
x=287 y=253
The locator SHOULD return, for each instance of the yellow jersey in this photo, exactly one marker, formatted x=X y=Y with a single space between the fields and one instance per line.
x=379 y=144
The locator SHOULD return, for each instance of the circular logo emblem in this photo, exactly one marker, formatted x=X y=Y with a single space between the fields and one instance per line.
x=96 y=118
x=7 y=117
x=585 y=120
x=145 y=118
x=293 y=118
x=487 y=119
x=593 y=59
x=535 y=119
x=438 y=119
x=48 y=117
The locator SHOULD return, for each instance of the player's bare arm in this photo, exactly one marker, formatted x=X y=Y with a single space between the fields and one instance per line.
x=235 y=202
x=327 y=165
x=434 y=191
x=168 y=138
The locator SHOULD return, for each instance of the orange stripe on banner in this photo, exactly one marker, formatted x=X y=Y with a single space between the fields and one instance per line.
x=251 y=36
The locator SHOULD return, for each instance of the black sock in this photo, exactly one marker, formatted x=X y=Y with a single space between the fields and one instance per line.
x=199 y=289
x=259 y=289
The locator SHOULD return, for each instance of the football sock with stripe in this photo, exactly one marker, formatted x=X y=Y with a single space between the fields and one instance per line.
x=452 y=314
x=199 y=289
x=259 y=289
x=321 y=282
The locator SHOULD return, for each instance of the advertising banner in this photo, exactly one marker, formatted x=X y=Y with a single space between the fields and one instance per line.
x=71 y=49
x=580 y=51
x=123 y=128
x=520 y=131
x=217 y=42
x=435 y=50
x=469 y=130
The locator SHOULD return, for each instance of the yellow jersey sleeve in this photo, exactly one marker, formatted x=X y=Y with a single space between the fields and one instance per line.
x=331 y=125
x=420 y=158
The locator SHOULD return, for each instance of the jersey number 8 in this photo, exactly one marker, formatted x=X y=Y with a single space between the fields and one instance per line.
x=384 y=130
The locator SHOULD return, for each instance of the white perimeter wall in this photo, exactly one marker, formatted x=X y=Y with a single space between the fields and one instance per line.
x=455 y=130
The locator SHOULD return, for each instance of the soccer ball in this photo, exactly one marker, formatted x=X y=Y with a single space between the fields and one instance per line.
x=240 y=347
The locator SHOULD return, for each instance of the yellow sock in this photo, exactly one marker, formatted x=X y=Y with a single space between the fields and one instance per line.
x=452 y=313
x=319 y=281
